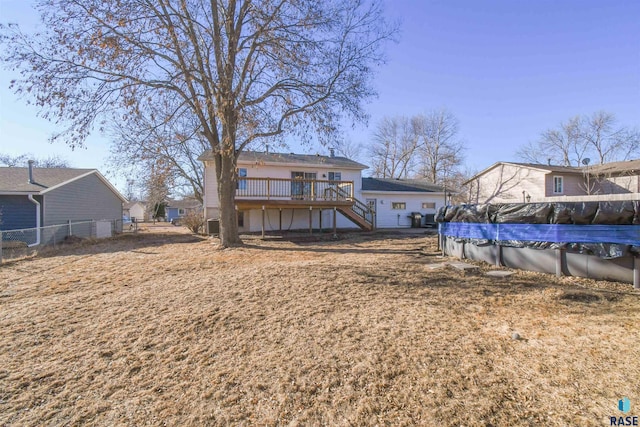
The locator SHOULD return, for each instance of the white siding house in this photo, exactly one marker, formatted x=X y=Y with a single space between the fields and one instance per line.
x=395 y=200
x=295 y=191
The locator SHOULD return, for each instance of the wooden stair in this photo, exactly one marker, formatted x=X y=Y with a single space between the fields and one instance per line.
x=356 y=218
x=359 y=213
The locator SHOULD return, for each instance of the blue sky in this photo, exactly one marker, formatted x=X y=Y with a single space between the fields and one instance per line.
x=507 y=69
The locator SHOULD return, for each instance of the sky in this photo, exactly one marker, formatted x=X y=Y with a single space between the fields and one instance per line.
x=508 y=70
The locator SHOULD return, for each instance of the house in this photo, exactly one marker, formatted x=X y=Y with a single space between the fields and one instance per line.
x=617 y=177
x=37 y=197
x=278 y=192
x=136 y=211
x=396 y=200
x=175 y=209
x=510 y=182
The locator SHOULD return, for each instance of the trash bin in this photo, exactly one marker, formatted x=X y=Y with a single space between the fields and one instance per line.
x=213 y=226
x=416 y=219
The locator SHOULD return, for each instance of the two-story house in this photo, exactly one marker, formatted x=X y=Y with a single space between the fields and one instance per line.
x=280 y=192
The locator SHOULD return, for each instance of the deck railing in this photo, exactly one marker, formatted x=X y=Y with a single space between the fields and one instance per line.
x=294 y=189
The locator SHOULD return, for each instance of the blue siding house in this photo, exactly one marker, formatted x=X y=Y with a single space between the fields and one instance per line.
x=37 y=197
x=176 y=209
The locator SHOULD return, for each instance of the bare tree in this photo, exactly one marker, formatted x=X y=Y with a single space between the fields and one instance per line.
x=581 y=137
x=393 y=148
x=350 y=149
x=561 y=146
x=140 y=143
x=43 y=162
x=245 y=69
x=440 y=152
x=608 y=142
x=156 y=187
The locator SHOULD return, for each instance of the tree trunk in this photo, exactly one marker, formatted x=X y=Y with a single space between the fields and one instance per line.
x=226 y=177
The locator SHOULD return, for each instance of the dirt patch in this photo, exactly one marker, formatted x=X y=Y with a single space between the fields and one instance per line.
x=155 y=328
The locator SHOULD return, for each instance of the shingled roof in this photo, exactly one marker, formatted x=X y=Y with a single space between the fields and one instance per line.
x=408 y=185
x=628 y=167
x=291 y=158
x=17 y=179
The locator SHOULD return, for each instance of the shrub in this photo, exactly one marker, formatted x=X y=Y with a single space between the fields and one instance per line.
x=194 y=221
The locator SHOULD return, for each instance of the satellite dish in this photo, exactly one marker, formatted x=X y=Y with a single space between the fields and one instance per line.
x=586 y=161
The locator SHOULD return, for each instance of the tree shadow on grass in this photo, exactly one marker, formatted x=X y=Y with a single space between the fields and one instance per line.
x=121 y=243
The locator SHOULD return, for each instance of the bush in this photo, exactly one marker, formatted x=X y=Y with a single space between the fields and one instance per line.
x=194 y=221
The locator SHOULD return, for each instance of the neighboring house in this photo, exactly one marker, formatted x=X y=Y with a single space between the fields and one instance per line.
x=277 y=191
x=136 y=211
x=178 y=208
x=510 y=182
x=395 y=200
x=617 y=177
x=35 y=197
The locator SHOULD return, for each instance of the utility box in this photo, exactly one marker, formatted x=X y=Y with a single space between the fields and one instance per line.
x=416 y=219
x=213 y=227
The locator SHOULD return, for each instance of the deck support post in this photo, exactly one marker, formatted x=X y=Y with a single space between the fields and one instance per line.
x=335 y=225
x=310 y=220
x=320 y=219
x=281 y=220
x=263 y=221
x=636 y=272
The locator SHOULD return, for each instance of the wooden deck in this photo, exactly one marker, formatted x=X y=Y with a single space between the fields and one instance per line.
x=291 y=204
x=309 y=194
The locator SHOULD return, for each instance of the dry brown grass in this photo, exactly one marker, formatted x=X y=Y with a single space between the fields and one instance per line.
x=163 y=329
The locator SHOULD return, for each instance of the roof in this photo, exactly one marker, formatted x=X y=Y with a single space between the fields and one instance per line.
x=537 y=166
x=16 y=180
x=184 y=204
x=291 y=158
x=628 y=167
x=404 y=185
x=130 y=204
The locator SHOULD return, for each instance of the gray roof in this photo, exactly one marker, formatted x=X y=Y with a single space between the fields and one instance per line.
x=303 y=159
x=409 y=185
x=184 y=204
x=549 y=168
x=17 y=179
x=628 y=167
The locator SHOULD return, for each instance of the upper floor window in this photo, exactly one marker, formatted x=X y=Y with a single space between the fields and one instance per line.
x=335 y=176
x=558 y=185
x=398 y=205
x=242 y=183
x=428 y=205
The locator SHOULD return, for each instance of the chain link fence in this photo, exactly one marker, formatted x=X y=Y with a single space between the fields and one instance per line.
x=28 y=241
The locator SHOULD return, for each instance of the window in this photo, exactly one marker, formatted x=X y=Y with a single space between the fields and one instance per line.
x=180 y=211
x=302 y=185
x=242 y=183
x=398 y=205
x=335 y=176
x=428 y=205
x=557 y=185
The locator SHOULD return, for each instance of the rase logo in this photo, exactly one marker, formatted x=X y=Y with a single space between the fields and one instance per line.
x=624 y=405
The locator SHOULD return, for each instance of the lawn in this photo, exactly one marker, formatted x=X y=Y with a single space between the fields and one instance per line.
x=166 y=329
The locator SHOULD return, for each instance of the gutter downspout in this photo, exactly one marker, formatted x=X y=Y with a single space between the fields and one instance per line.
x=31 y=199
